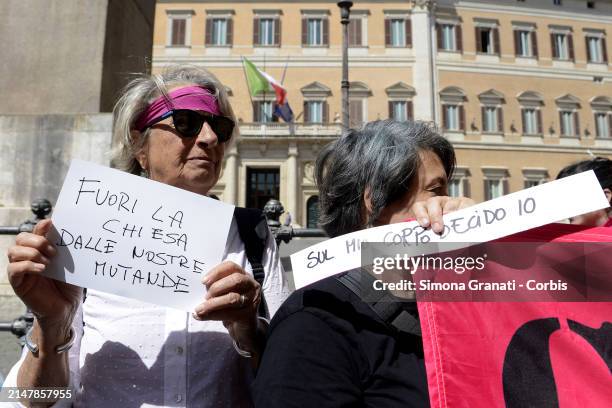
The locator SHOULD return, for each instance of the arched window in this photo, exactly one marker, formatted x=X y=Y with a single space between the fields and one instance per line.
x=312 y=212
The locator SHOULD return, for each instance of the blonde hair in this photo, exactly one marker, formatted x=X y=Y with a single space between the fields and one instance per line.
x=141 y=92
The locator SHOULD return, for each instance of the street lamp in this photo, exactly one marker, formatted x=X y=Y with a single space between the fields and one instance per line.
x=345 y=11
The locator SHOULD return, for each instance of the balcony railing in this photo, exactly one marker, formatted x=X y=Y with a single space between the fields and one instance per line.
x=276 y=129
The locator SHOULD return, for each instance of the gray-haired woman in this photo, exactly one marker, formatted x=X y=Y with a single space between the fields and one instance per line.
x=327 y=346
x=172 y=127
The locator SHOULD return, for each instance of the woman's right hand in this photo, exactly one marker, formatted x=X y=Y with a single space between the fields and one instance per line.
x=54 y=303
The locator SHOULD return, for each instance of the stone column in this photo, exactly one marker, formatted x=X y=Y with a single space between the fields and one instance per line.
x=230 y=195
x=292 y=181
x=424 y=49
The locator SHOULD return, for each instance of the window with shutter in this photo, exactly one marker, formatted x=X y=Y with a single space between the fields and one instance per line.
x=396 y=28
x=562 y=46
x=178 y=31
x=602 y=124
x=494 y=188
x=495 y=37
x=530 y=121
x=266 y=31
x=208 y=32
x=408 y=32
x=553 y=46
x=490 y=119
x=304 y=32
x=523 y=43
x=314 y=112
x=355 y=113
x=256 y=111
x=576 y=124
x=539 y=120
x=315 y=32
x=517 y=43
x=221 y=32
x=594 y=49
x=230 y=32
x=256 y=40
x=487 y=40
x=355 y=30
x=452 y=116
x=459 y=38
x=325 y=35
x=398 y=110
x=387 y=32
x=568 y=123
x=277 y=32
x=495 y=182
x=447 y=37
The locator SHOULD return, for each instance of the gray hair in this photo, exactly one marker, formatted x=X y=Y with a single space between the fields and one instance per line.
x=141 y=92
x=382 y=158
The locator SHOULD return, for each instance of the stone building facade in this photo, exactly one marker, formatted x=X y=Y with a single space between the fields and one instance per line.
x=520 y=88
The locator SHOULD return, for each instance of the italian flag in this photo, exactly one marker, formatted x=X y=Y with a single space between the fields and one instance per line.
x=259 y=81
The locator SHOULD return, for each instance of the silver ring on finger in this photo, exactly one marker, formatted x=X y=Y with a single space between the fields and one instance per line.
x=243 y=301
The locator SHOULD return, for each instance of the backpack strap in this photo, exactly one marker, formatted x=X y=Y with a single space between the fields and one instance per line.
x=383 y=304
x=253 y=230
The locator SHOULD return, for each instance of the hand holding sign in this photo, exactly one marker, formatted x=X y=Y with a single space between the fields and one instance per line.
x=233 y=297
x=135 y=237
x=52 y=302
x=486 y=221
x=430 y=212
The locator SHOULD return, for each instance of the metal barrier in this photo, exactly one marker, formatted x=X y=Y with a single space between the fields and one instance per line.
x=285 y=233
x=41 y=208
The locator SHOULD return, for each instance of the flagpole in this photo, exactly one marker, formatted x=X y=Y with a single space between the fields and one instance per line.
x=247 y=81
x=285 y=70
x=265 y=91
x=291 y=124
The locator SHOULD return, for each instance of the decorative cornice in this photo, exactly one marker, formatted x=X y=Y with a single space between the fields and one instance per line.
x=424 y=4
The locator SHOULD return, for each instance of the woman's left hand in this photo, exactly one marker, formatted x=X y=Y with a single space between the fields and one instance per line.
x=430 y=212
x=233 y=297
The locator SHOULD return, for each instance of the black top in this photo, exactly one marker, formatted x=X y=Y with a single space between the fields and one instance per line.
x=327 y=348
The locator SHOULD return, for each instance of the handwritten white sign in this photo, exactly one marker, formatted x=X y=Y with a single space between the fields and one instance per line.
x=510 y=214
x=135 y=237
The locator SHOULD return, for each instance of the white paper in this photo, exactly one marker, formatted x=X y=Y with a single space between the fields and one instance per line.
x=510 y=214
x=135 y=237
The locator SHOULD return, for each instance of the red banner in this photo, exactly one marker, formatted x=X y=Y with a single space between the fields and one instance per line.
x=528 y=354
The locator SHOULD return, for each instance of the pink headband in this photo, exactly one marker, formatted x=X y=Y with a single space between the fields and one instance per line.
x=189 y=97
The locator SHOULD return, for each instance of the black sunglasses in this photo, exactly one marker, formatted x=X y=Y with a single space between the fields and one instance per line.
x=188 y=123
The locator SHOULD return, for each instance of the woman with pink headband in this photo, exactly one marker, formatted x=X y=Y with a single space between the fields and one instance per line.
x=112 y=351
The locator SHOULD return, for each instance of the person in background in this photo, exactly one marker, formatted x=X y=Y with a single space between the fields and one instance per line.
x=287 y=221
x=115 y=351
x=603 y=170
x=327 y=346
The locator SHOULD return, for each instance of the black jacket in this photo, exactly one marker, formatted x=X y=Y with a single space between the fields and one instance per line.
x=328 y=348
